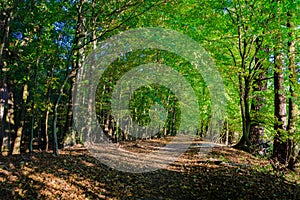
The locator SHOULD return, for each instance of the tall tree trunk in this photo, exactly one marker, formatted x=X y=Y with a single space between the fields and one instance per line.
x=33 y=102
x=69 y=137
x=55 y=142
x=256 y=128
x=91 y=109
x=7 y=17
x=280 y=149
x=69 y=118
x=244 y=142
x=45 y=131
x=16 y=143
x=292 y=101
x=247 y=111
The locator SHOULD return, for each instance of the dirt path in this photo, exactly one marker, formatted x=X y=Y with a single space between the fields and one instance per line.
x=225 y=174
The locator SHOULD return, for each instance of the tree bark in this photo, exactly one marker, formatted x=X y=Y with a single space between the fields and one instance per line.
x=69 y=137
x=3 y=113
x=10 y=117
x=7 y=18
x=16 y=143
x=280 y=151
x=292 y=101
x=244 y=142
x=256 y=127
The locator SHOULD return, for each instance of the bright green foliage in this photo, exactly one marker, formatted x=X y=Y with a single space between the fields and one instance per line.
x=48 y=41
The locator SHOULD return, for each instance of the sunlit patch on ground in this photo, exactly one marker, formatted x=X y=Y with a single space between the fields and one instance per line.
x=75 y=174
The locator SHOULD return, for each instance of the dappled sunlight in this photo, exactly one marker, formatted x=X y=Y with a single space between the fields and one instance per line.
x=55 y=185
x=77 y=175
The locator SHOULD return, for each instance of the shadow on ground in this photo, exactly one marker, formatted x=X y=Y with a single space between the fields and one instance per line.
x=77 y=175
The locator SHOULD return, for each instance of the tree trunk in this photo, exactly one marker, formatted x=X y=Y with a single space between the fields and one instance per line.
x=33 y=102
x=55 y=142
x=16 y=143
x=10 y=121
x=7 y=17
x=292 y=101
x=3 y=113
x=227 y=133
x=244 y=142
x=90 y=100
x=69 y=118
x=256 y=127
x=45 y=132
x=280 y=149
x=69 y=137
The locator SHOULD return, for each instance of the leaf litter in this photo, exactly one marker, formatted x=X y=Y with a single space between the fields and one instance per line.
x=225 y=173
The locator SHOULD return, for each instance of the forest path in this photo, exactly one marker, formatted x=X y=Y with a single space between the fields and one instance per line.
x=223 y=173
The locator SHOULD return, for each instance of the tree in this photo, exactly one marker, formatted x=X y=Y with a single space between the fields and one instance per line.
x=286 y=138
x=294 y=91
x=248 y=56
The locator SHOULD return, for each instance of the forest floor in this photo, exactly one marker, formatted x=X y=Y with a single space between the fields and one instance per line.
x=224 y=173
